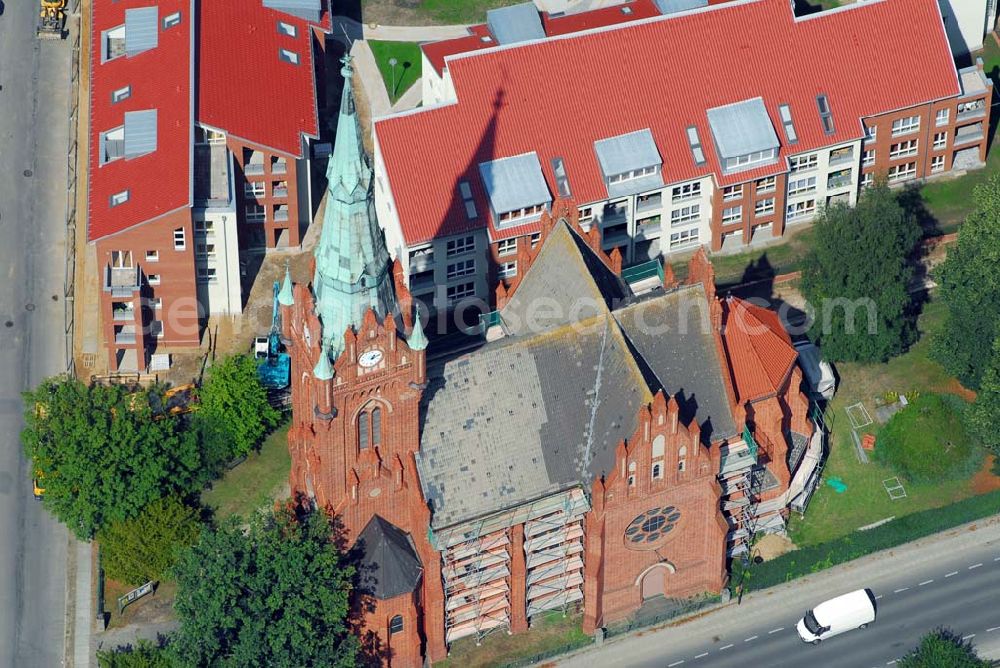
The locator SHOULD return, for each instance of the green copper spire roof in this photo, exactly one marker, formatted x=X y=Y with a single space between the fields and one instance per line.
x=417 y=340
x=323 y=370
x=352 y=263
x=285 y=297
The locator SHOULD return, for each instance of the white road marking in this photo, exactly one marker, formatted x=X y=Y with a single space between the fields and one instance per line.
x=899 y=590
x=750 y=638
x=996 y=558
x=925 y=582
x=780 y=628
x=878 y=597
x=889 y=663
x=675 y=663
x=701 y=655
x=725 y=647
x=992 y=629
x=948 y=575
x=975 y=566
x=971 y=635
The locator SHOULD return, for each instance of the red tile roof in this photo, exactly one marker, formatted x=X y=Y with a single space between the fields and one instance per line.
x=436 y=52
x=759 y=349
x=244 y=88
x=158 y=182
x=558 y=96
x=597 y=18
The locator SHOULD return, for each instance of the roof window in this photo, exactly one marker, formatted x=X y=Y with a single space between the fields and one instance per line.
x=786 y=120
x=112 y=43
x=171 y=20
x=119 y=198
x=470 y=206
x=287 y=29
x=111 y=145
x=825 y=115
x=562 y=181
x=695 y=142
x=121 y=94
x=288 y=56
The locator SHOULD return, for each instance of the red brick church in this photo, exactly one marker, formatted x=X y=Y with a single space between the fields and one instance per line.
x=603 y=449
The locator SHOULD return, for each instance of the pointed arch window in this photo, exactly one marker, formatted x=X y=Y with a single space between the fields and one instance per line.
x=682 y=458
x=376 y=426
x=364 y=435
x=396 y=623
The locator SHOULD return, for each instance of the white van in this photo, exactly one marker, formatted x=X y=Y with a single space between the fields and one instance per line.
x=831 y=618
x=819 y=374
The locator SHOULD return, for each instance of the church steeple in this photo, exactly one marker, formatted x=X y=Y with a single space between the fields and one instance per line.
x=352 y=263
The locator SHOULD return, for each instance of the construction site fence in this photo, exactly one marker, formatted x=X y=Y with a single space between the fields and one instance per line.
x=72 y=165
x=815 y=558
x=683 y=608
x=571 y=646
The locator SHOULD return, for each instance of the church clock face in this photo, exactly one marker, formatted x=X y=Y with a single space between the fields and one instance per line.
x=370 y=358
x=648 y=529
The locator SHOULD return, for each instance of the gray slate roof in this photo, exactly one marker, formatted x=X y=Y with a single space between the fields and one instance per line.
x=566 y=283
x=742 y=128
x=672 y=334
x=515 y=183
x=389 y=566
x=543 y=410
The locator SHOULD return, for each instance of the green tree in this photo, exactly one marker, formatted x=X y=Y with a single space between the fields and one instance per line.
x=234 y=414
x=969 y=285
x=143 y=655
x=984 y=415
x=857 y=277
x=274 y=593
x=943 y=648
x=144 y=548
x=101 y=455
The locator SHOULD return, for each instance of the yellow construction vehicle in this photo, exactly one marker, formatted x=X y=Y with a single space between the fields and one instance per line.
x=51 y=19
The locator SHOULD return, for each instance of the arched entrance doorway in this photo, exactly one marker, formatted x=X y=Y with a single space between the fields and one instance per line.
x=654 y=584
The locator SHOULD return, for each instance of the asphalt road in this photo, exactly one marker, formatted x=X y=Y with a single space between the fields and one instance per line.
x=33 y=133
x=946 y=581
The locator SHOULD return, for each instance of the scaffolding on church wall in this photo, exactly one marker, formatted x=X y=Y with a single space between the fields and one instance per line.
x=476 y=563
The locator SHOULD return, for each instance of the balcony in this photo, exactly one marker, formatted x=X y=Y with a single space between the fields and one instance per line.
x=615 y=235
x=279 y=166
x=422 y=280
x=125 y=335
x=840 y=179
x=281 y=214
x=648 y=203
x=212 y=183
x=253 y=168
x=280 y=192
x=421 y=260
x=122 y=312
x=648 y=228
x=969 y=134
x=122 y=281
x=842 y=156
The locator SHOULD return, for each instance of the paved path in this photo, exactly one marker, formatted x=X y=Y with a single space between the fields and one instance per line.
x=950 y=579
x=367 y=72
x=34 y=76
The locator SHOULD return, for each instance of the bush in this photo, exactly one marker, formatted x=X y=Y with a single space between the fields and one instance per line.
x=145 y=548
x=927 y=441
x=143 y=655
x=815 y=558
x=943 y=647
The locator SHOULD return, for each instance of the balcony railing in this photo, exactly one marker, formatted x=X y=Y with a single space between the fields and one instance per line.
x=421 y=280
x=279 y=167
x=125 y=337
x=123 y=315
x=281 y=192
x=280 y=215
x=122 y=281
x=253 y=168
x=841 y=159
x=838 y=181
x=970 y=133
x=650 y=204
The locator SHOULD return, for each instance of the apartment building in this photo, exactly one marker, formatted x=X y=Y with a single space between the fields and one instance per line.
x=721 y=150
x=201 y=115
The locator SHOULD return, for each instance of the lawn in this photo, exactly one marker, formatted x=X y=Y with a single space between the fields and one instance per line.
x=407 y=70
x=865 y=500
x=549 y=632
x=430 y=12
x=254 y=483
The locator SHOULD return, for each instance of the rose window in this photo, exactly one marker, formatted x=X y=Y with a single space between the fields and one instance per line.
x=651 y=526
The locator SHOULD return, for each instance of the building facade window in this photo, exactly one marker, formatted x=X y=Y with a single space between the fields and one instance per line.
x=586 y=213
x=801 y=186
x=633 y=174
x=803 y=163
x=685 y=191
x=506 y=247
x=685 y=215
x=180 y=239
x=253 y=189
x=904 y=126
x=461 y=291
x=507 y=270
x=732 y=215
x=517 y=214
x=536 y=239
x=741 y=162
x=867 y=179
x=153 y=279
x=255 y=213
x=396 y=625
x=684 y=238
x=937 y=164
x=799 y=210
x=461 y=246
x=764 y=207
x=731 y=193
x=682 y=458
x=461 y=268
x=152 y=256
x=657 y=472
x=903 y=149
x=902 y=172
x=206 y=274
x=942 y=116
x=871 y=133
x=868 y=158
x=940 y=140
x=767 y=185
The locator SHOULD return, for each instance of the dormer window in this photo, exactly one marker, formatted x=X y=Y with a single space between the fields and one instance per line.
x=111 y=145
x=630 y=163
x=516 y=189
x=744 y=136
x=112 y=43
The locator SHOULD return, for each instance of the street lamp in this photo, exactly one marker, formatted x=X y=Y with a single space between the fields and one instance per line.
x=392 y=64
